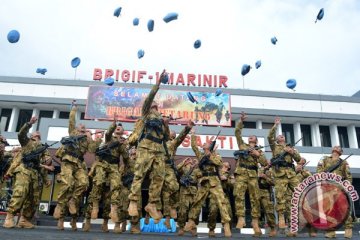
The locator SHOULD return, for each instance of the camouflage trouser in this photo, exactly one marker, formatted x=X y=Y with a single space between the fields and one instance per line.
x=213 y=211
x=243 y=183
x=74 y=182
x=148 y=160
x=169 y=190
x=107 y=172
x=105 y=196
x=201 y=195
x=268 y=206
x=123 y=211
x=185 y=203
x=25 y=194
x=288 y=196
x=281 y=187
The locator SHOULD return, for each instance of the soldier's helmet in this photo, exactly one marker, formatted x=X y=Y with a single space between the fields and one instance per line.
x=337 y=149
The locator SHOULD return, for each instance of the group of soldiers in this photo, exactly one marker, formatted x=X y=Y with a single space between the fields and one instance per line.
x=175 y=192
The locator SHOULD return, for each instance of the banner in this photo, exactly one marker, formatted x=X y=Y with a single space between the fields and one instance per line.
x=103 y=102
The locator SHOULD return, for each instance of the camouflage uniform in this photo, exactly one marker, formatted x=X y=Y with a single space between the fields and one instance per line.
x=26 y=191
x=107 y=169
x=73 y=175
x=246 y=178
x=344 y=171
x=6 y=159
x=171 y=185
x=266 y=200
x=209 y=184
x=150 y=156
x=213 y=208
x=285 y=175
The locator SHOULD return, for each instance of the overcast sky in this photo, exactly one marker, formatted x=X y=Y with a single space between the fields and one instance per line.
x=324 y=57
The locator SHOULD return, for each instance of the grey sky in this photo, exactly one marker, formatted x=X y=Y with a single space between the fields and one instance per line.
x=323 y=57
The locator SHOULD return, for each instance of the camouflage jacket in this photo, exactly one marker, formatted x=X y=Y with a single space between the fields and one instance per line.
x=172 y=145
x=195 y=175
x=132 y=140
x=121 y=149
x=279 y=149
x=343 y=170
x=268 y=182
x=250 y=160
x=303 y=174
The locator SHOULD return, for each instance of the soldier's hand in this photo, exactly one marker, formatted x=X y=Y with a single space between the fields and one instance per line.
x=190 y=123
x=48 y=183
x=277 y=121
x=223 y=178
x=158 y=82
x=6 y=177
x=33 y=120
x=51 y=168
x=255 y=153
x=192 y=131
x=289 y=150
x=243 y=116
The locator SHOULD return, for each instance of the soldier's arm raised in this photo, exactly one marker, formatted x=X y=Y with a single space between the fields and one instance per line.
x=182 y=135
x=22 y=136
x=238 y=130
x=194 y=146
x=346 y=171
x=72 y=120
x=272 y=132
x=109 y=132
x=216 y=160
x=149 y=99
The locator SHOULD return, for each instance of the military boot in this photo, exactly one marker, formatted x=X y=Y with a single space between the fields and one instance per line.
x=135 y=229
x=241 y=223
x=291 y=234
x=73 y=223
x=330 y=234
x=133 y=209
x=189 y=225
x=60 y=224
x=154 y=213
x=104 y=225
x=9 y=221
x=114 y=213
x=87 y=225
x=348 y=233
x=212 y=233
x=72 y=206
x=256 y=228
x=147 y=219
x=272 y=232
x=193 y=232
x=24 y=223
x=173 y=213
x=123 y=226
x=117 y=228
x=167 y=222
x=227 y=230
x=57 y=211
x=181 y=232
x=95 y=210
x=282 y=221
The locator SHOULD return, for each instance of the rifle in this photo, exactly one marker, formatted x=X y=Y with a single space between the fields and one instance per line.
x=275 y=161
x=72 y=141
x=212 y=145
x=334 y=167
x=245 y=153
x=127 y=179
x=4 y=166
x=28 y=159
x=172 y=165
x=186 y=180
x=105 y=151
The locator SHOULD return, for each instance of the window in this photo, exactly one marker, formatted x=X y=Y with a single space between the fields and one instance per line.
x=233 y=124
x=288 y=132
x=44 y=114
x=266 y=125
x=5 y=116
x=357 y=129
x=306 y=135
x=250 y=125
x=82 y=116
x=343 y=137
x=64 y=115
x=24 y=117
x=325 y=136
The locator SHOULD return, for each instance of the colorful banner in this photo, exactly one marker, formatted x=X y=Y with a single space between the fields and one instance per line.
x=103 y=102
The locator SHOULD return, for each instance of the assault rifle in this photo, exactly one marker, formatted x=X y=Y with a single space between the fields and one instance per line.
x=73 y=141
x=186 y=180
x=276 y=161
x=105 y=151
x=29 y=160
x=334 y=167
x=246 y=152
x=205 y=159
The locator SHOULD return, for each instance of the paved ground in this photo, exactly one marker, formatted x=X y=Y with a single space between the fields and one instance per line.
x=51 y=233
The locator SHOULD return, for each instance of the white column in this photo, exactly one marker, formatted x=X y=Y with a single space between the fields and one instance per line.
x=56 y=113
x=315 y=135
x=334 y=134
x=35 y=113
x=297 y=134
x=352 y=136
x=258 y=124
x=14 y=119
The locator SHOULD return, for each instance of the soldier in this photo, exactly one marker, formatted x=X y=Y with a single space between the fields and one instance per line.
x=150 y=156
x=226 y=184
x=283 y=169
x=247 y=177
x=189 y=175
x=342 y=169
x=26 y=170
x=107 y=169
x=171 y=185
x=73 y=174
x=266 y=182
x=209 y=163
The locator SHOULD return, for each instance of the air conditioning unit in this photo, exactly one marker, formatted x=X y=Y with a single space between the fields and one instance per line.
x=44 y=207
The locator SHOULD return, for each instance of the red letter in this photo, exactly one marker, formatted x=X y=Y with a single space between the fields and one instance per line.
x=222 y=138
x=140 y=75
x=180 y=79
x=222 y=81
x=191 y=79
x=125 y=75
x=207 y=80
x=108 y=73
x=97 y=74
